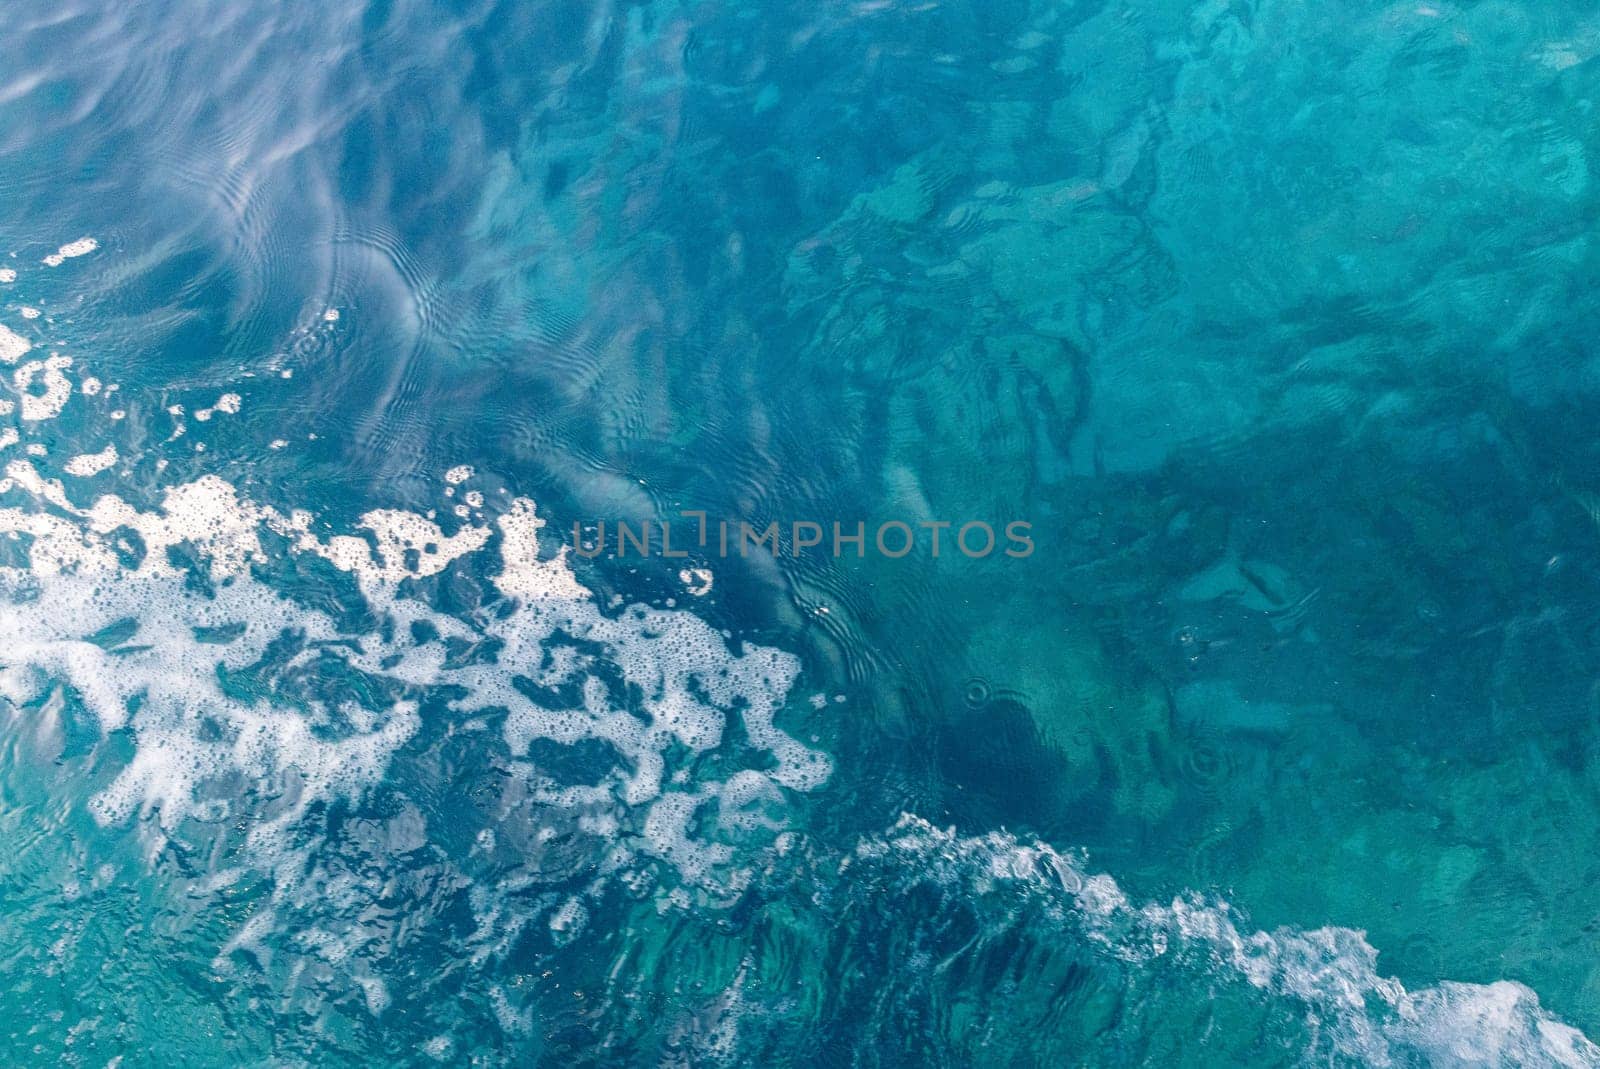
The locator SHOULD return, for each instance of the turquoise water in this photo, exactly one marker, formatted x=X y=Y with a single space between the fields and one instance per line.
x=330 y=740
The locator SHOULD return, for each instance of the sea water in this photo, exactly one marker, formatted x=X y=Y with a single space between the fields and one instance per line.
x=340 y=342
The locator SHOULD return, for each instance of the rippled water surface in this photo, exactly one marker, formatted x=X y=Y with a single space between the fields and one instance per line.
x=1275 y=323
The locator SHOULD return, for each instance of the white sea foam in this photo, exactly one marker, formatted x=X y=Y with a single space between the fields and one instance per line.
x=92 y=463
x=12 y=345
x=71 y=250
x=696 y=580
x=90 y=567
x=43 y=387
x=228 y=404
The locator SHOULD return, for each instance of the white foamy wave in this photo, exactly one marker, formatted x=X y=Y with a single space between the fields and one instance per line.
x=1331 y=972
x=90 y=570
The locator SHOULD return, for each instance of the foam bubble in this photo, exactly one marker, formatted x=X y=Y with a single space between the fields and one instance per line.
x=12 y=345
x=228 y=403
x=697 y=581
x=522 y=574
x=71 y=250
x=56 y=389
x=92 y=463
x=568 y=922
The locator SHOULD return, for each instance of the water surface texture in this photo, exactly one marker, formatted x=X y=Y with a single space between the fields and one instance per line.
x=321 y=325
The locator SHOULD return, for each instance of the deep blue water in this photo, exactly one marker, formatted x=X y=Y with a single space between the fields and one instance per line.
x=330 y=739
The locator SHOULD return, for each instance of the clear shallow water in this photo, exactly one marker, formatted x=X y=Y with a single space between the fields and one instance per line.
x=1275 y=322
